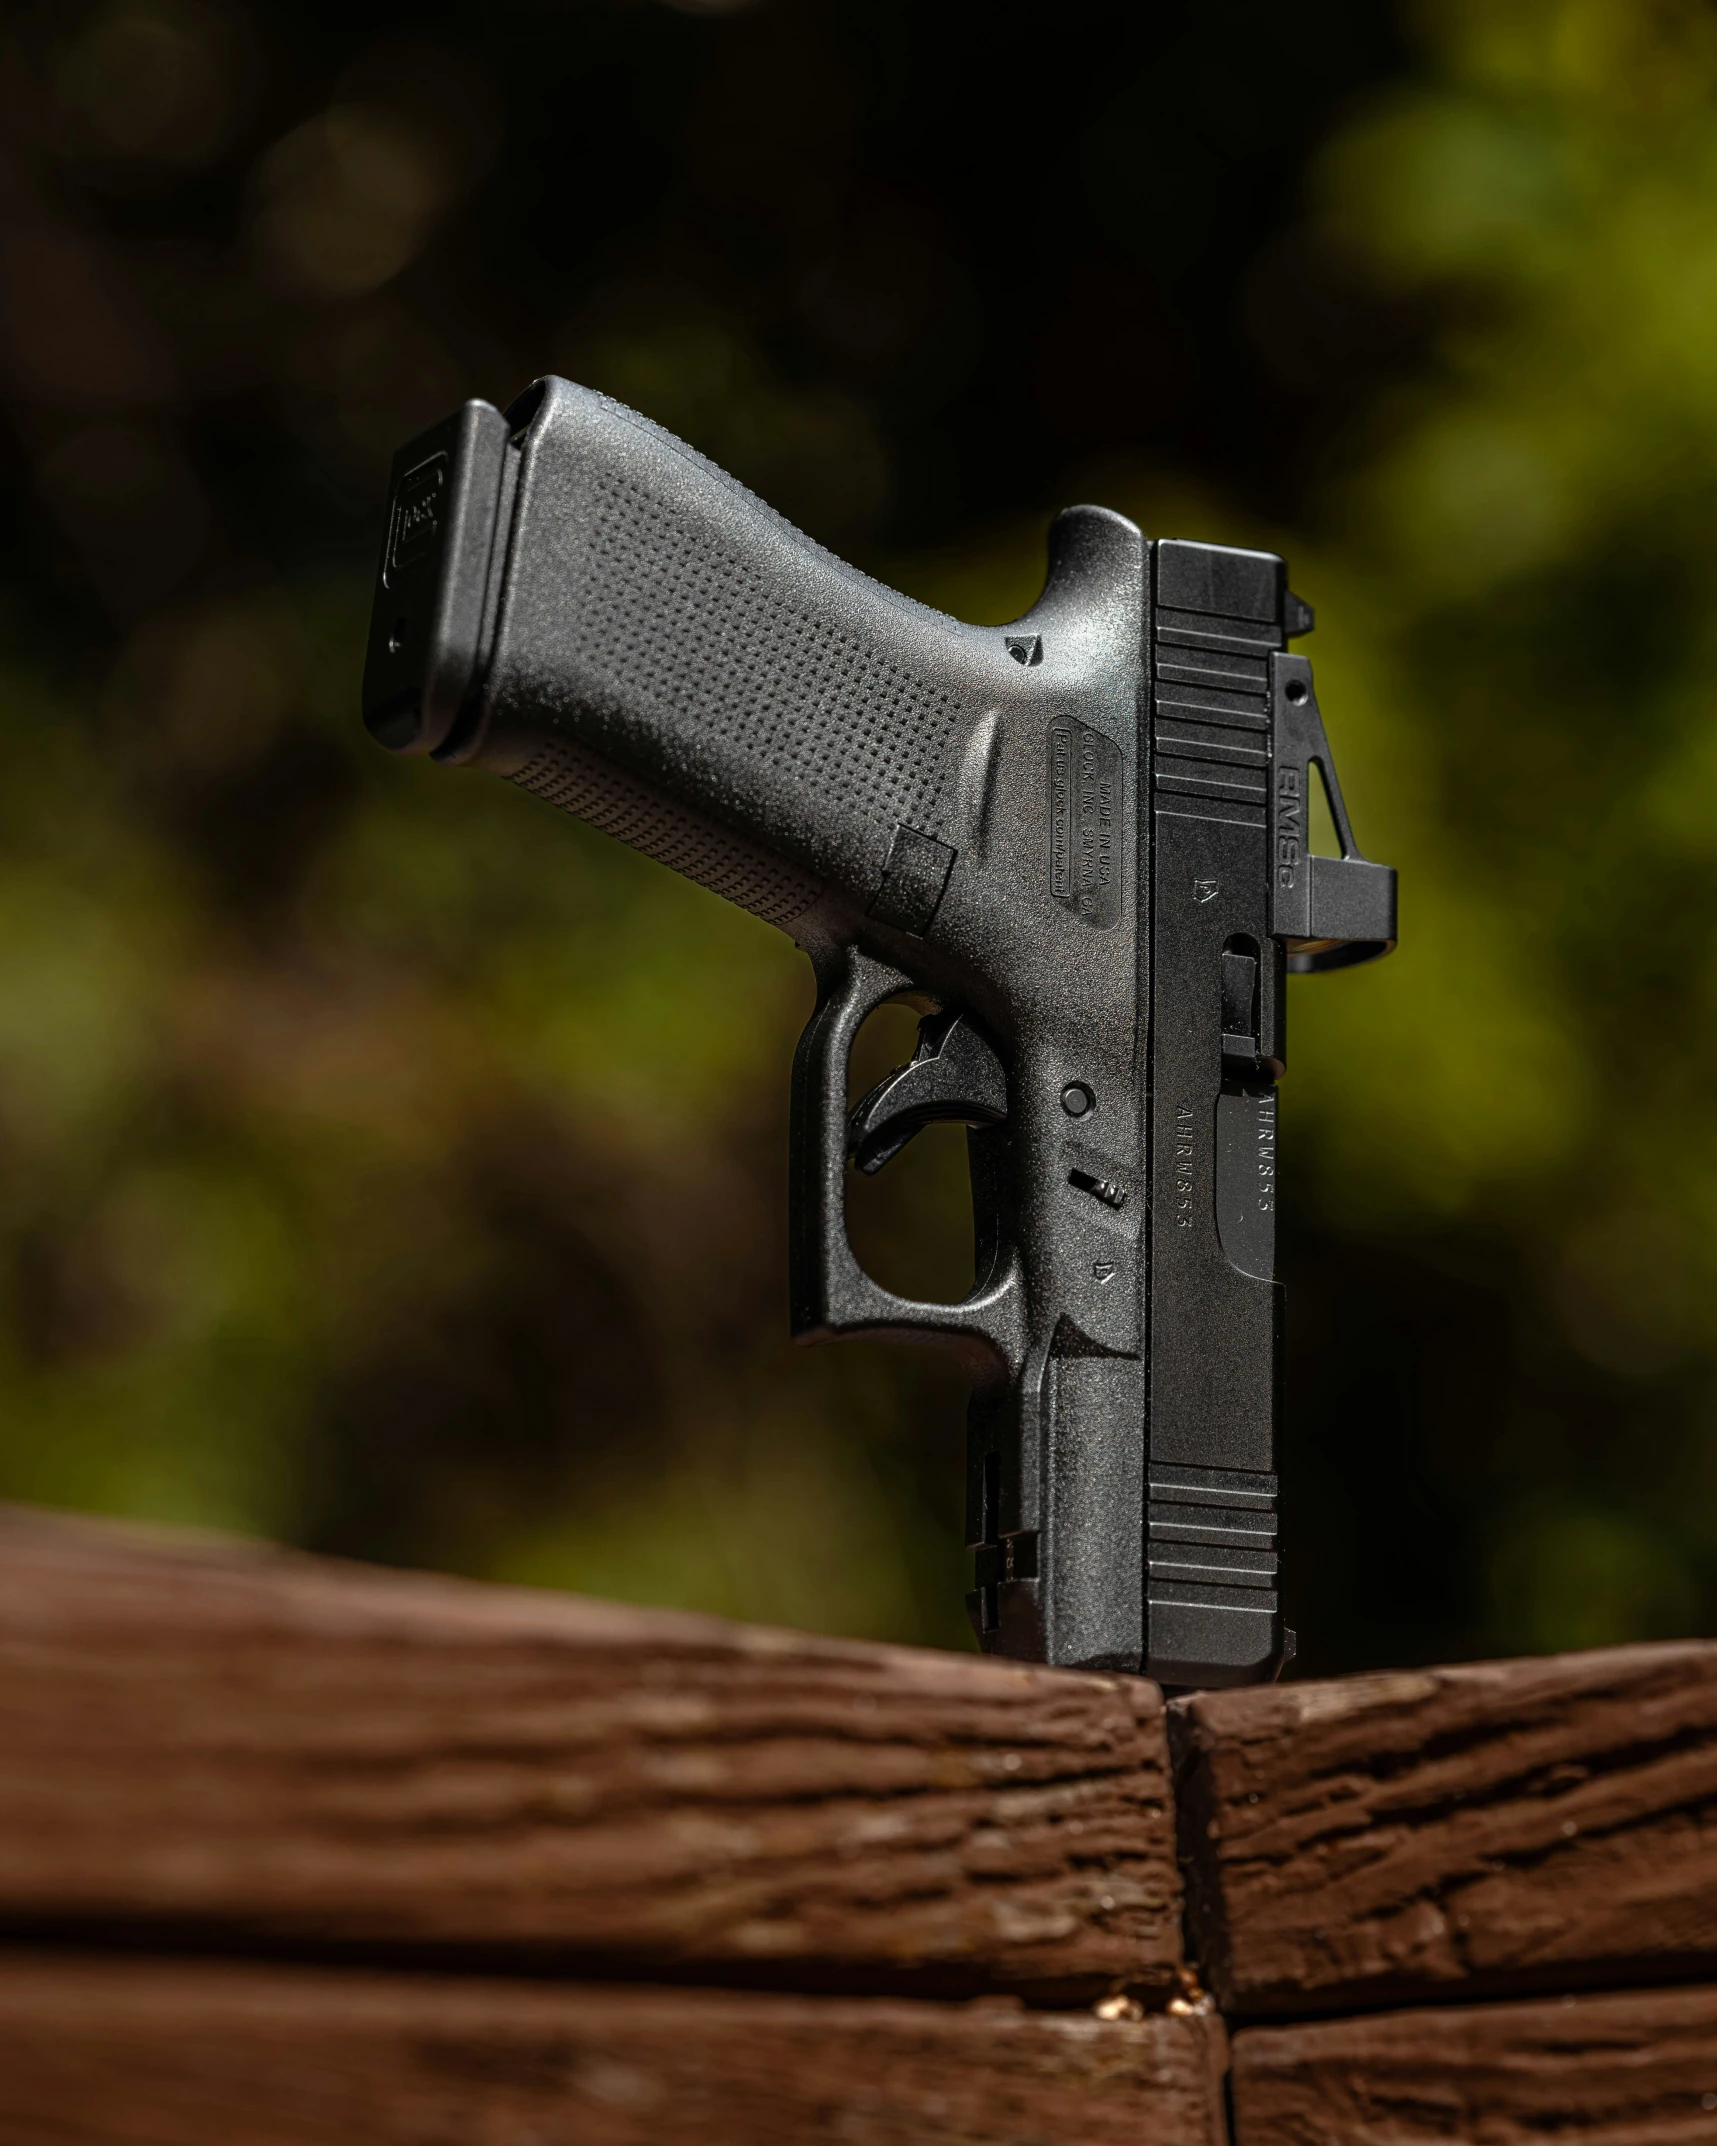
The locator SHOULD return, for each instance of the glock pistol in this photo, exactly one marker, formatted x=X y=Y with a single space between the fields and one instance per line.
x=1080 y=840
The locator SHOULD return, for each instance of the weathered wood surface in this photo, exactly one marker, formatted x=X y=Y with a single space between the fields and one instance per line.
x=1639 y=2069
x=1503 y=1826
x=145 y=2053
x=247 y=1746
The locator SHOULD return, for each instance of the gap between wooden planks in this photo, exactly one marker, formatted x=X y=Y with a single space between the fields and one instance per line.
x=223 y=1746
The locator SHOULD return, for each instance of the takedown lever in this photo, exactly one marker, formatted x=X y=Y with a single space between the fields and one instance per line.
x=952 y=1075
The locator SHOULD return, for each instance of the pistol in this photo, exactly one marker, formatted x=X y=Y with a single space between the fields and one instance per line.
x=1077 y=843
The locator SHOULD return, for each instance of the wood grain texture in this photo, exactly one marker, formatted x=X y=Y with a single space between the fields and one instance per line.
x=1633 y=2070
x=242 y=1746
x=145 y=2053
x=1503 y=1826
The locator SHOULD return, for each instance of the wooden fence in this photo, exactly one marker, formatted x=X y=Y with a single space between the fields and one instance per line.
x=293 y=1852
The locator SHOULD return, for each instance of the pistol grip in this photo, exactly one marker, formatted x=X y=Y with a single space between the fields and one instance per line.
x=831 y=1293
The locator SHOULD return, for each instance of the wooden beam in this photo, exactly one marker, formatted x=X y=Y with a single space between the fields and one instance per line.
x=144 y=2052
x=239 y=1746
x=1633 y=2070
x=1499 y=1827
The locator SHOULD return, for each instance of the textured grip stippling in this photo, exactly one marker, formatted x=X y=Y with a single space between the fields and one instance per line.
x=579 y=783
x=671 y=618
x=663 y=618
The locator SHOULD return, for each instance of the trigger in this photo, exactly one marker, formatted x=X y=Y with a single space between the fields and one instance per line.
x=953 y=1074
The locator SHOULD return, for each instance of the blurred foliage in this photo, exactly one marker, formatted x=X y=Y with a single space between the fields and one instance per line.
x=1517 y=567
x=395 y=1166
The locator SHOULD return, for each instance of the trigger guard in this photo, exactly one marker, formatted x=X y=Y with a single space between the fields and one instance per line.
x=831 y=1293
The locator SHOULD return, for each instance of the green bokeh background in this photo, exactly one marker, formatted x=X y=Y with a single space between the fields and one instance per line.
x=392 y=1165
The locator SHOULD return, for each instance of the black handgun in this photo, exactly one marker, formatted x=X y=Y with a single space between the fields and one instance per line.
x=1080 y=840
